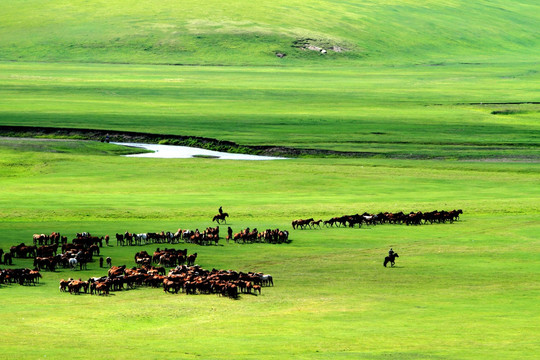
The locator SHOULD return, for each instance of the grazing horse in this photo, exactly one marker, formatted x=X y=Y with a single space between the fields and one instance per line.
x=119 y=239
x=220 y=217
x=390 y=259
x=8 y=259
x=191 y=259
x=73 y=263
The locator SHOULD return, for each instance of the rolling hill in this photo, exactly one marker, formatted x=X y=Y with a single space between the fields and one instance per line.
x=247 y=32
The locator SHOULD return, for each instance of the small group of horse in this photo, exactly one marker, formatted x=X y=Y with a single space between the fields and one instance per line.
x=117 y=279
x=271 y=236
x=208 y=236
x=303 y=223
x=72 y=255
x=19 y=276
x=412 y=218
x=44 y=239
x=166 y=257
x=196 y=280
x=172 y=257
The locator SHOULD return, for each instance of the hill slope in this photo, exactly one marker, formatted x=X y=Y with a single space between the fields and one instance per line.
x=248 y=32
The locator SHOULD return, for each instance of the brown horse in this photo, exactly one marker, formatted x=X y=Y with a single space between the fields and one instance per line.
x=220 y=217
x=315 y=223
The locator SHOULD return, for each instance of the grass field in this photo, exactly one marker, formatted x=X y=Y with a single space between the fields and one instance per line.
x=408 y=111
x=462 y=290
x=246 y=32
x=451 y=82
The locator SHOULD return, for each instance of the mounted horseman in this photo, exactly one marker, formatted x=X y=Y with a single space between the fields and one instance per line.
x=391 y=258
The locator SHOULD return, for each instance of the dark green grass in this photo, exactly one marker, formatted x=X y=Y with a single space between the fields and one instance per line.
x=460 y=291
x=65 y=147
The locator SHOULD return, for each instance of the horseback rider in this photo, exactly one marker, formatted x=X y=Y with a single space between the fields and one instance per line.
x=391 y=252
x=220 y=210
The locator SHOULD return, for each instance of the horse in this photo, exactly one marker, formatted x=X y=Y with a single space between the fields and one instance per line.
x=109 y=261
x=73 y=263
x=220 y=217
x=390 y=259
x=317 y=223
x=191 y=259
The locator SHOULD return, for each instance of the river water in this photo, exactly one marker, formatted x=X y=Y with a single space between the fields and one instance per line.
x=184 y=152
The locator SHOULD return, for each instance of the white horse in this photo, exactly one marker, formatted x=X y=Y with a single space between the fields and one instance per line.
x=266 y=279
x=187 y=233
x=139 y=238
x=73 y=263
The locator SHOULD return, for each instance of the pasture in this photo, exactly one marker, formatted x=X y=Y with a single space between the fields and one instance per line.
x=462 y=290
x=436 y=100
x=409 y=111
x=248 y=33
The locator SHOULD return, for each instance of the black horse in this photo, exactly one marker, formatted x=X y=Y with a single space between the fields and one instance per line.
x=390 y=259
x=220 y=217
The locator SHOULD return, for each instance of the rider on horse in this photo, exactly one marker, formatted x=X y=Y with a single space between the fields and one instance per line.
x=391 y=252
x=220 y=211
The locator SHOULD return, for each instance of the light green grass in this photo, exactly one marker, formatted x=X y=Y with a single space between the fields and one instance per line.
x=460 y=291
x=247 y=32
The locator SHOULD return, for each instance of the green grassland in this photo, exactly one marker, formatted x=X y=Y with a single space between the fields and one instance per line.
x=452 y=82
x=246 y=32
x=418 y=80
x=405 y=111
x=460 y=291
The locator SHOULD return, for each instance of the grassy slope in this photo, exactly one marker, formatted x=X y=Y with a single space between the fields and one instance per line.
x=461 y=291
x=247 y=32
x=389 y=110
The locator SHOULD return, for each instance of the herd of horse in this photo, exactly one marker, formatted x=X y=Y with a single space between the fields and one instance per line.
x=188 y=278
x=412 y=218
x=184 y=276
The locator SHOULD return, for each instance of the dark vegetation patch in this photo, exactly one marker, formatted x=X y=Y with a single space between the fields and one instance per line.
x=509 y=112
x=206 y=156
x=503 y=103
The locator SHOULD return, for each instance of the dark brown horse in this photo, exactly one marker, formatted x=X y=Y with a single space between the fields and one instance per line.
x=390 y=259
x=220 y=217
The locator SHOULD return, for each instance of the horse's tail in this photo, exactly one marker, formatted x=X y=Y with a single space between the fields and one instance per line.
x=385 y=261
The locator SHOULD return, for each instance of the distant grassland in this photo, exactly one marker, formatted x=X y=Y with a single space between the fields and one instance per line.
x=452 y=110
x=245 y=32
